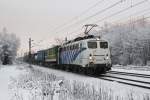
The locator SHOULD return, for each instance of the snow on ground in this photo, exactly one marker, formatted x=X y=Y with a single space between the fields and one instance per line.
x=6 y=72
x=21 y=82
x=117 y=88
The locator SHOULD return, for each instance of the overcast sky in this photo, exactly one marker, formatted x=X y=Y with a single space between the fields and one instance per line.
x=41 y=19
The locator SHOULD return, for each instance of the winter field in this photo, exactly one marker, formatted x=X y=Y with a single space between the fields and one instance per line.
x=21 y=82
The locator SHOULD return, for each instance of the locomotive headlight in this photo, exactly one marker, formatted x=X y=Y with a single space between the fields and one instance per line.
x=107 y=57
x=90 y=57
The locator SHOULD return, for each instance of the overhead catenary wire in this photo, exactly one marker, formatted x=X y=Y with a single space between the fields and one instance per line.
x=138 y=12
x=123 y=10
x=101 y=11
x=76 y=17
x=82 y=13
x=114 y=14
x=143 y=19
x=95 y=14
x=133 y=22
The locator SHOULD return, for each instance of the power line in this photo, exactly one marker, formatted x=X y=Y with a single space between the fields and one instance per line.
x=142 y=11
x=95 y=14
x=138 y=21
x=103 y=10
x=82 y=13
x=139 y=3
x=143 y=19
x=114 y=14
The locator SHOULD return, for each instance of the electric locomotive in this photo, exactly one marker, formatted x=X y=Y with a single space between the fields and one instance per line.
x=88 y=54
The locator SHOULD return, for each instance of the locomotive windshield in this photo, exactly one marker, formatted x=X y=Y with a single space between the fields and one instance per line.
x=103 y=45
x=92 y=45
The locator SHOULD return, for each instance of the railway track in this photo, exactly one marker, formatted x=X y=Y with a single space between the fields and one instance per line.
x=115 y=77
x=130 y=74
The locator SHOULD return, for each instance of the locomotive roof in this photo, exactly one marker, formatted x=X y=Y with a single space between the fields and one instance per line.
x=81 y=38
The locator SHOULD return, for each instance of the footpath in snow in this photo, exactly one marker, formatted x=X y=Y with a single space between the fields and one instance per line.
x=21 y=82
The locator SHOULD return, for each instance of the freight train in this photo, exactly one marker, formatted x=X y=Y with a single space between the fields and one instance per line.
x=88 y=54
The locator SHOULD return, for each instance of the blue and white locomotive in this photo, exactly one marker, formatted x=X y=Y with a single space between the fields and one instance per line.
x=88 y=53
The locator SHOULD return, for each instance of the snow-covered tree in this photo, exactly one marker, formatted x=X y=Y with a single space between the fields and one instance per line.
x=130 y=42
x=9 y=44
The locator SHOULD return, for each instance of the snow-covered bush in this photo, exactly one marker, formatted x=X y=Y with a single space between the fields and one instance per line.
x=34 y=85
x=9 y=44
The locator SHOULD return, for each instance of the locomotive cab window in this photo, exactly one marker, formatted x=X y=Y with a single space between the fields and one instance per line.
x=103 y=45
x=92 y=45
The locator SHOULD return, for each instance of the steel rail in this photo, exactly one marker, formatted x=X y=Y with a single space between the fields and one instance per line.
x=126 y=79
x=130 y=74
x=105 y=77
x=127 y=83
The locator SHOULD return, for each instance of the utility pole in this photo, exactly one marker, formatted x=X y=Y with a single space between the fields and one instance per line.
x=30 y=51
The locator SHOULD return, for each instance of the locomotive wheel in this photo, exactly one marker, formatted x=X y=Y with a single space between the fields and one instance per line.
x=75 y=69
x=81 y=70
x=104 y=70
x=88 y=71
x=98 y=71
x=67 y=69
x=85 y=71
x=64 y=67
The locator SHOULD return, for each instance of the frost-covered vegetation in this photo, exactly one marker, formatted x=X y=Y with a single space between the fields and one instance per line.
x=35 y=85
x=9 y=44
x=38 y=85
x=129 y=42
